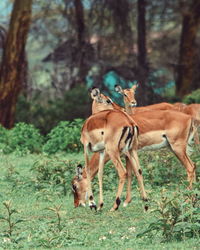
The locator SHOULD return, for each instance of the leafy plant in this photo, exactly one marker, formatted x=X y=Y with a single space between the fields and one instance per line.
x=194 y=97
x=64 y=137
x=57 y=212
x=54 y=172
x=24 y=138
x=9 y=218
x=175 y=217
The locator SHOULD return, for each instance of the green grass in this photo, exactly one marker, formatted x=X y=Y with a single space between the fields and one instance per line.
x=82 y=228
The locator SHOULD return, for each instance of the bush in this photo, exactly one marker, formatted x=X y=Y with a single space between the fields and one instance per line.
x=64 y=137
x=176 y=216
x=24 y=138
x=194 y=97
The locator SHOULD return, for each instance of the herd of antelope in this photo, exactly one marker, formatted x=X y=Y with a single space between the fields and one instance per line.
x=112 y=132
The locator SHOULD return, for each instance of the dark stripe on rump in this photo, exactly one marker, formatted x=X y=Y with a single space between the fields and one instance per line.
x=130 y=136
x=122 y=135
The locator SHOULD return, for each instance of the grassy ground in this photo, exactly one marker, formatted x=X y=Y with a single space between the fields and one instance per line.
x=42 y=217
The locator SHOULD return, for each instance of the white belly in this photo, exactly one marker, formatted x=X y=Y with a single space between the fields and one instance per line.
x=153 y=140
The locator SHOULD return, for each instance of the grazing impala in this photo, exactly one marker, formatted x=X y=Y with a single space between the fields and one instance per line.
x=113 y=133
x=158 y=129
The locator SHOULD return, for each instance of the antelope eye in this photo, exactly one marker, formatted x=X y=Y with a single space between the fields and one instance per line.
x=108 y=101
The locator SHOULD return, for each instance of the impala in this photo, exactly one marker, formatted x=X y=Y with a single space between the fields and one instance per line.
x=193 y=110
x=129 y=95
x=158 y=129
x=111 y=133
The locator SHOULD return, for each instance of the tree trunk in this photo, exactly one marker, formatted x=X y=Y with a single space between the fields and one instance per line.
x=80 y=29
x=143 y=92
x=141 y=30
x=13 y=61
x=187 y=53
x=80 y=24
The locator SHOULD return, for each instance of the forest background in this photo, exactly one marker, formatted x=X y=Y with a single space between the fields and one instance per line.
x=51 y=52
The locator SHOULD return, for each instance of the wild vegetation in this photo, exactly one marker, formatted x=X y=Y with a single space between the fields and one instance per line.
x=51 y=53
x=36 y=202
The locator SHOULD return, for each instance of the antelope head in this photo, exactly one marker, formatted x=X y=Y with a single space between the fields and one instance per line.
x=79 y=187
x=128 y=95
x=100 y=101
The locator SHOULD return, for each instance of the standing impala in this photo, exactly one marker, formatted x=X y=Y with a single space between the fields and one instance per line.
x=129 y=95
x=113 y=133
x=158 y=129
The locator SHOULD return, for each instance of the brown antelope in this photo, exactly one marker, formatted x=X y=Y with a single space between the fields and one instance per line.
x=190 y=109
x=129 y=94
x=129 y=100
x=111 y=132
x=158 y=129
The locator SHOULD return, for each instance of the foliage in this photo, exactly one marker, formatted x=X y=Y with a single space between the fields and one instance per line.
x=39 y=186
x=64 y=137
x=160 y=168
x=194 y=97
x=176 y=216
x=9 y=218
x=53 y=173
x=23 y=138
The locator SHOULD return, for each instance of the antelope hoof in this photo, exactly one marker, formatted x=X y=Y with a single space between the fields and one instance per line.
x=125 y=204
x=93 y=205
x=100 y=206
x=82 y=205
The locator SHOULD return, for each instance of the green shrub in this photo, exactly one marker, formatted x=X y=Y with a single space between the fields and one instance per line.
x=24 y=138
x=64 y=137
x=194 y=97
x=176 y=216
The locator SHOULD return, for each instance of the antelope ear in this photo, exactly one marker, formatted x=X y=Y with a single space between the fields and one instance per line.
x=118 y=89
x=79 y=171
x=108 y=100
x=135 y=86
x=95 y=92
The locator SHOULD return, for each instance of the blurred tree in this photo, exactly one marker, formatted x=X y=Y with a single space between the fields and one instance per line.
x=80 y=29
x=13 y=61
x=188 y=49
x=144 y=90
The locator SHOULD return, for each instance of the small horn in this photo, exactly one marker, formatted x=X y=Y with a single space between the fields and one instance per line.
x=79 y=171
